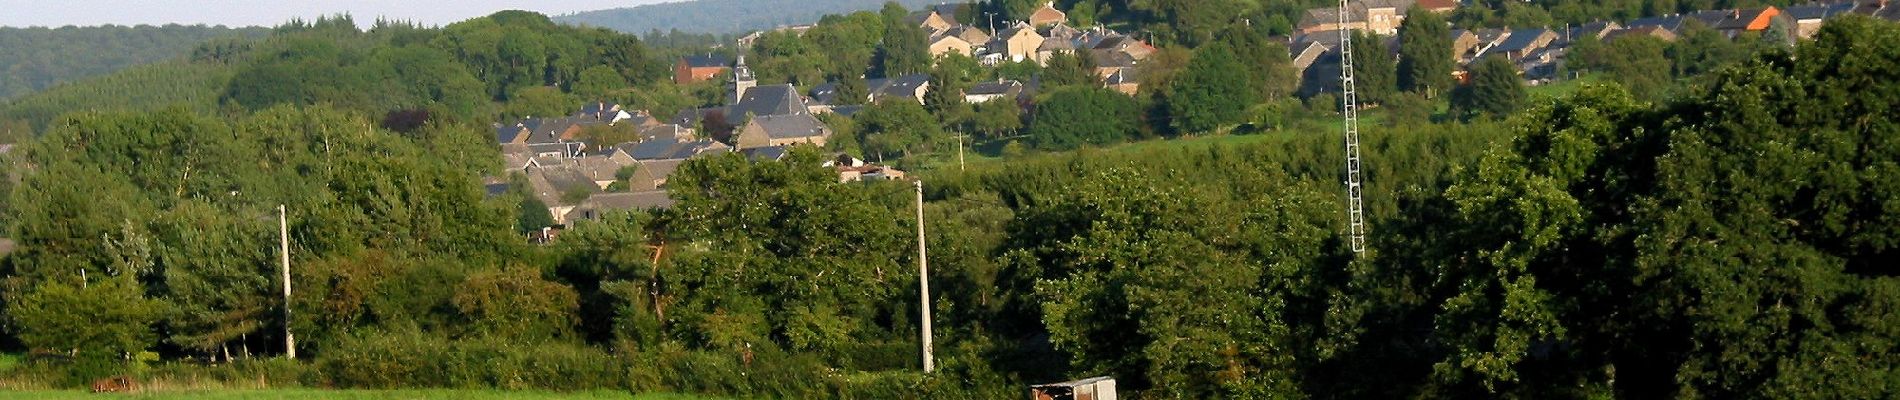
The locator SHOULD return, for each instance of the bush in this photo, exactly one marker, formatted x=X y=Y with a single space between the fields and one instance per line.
x=384 y=359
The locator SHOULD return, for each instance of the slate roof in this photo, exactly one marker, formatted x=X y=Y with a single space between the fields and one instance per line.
x=1594 y=29
x=993 y=88
x=1056 y=44
x=949 y=10
x=904 y=86
x=1521 y=40
x=706 y=61
x=623 y=201
x=771 y=153
x=769 y=100
x=1670 y=22
x=969 y=34
x=549 y=184
x=507 y=133
x=792 y=126
x=1817 y=11
x=673 y=149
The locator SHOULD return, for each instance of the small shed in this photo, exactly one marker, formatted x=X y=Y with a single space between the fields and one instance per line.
x=1097 y=388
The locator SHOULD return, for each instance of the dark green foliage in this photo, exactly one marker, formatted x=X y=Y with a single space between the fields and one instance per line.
x=1069 y=68
x=724 y=17
x=1425 y=59
x=1214 y=91
x=1075 y=116
x=1377 y=72
x=41 y=58
x=1495 y=91
x=1638 y=63
x=904 y=51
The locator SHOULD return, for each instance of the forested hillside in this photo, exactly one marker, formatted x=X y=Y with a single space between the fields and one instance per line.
x=1721 y=229
x=723 y=16
x=38 y=58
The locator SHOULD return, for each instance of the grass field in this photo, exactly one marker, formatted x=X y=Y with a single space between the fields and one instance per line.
x=315 y=394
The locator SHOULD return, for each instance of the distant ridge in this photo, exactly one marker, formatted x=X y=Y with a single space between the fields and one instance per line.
x=725 y=16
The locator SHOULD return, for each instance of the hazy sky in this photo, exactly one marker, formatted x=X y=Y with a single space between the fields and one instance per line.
x=54 y=13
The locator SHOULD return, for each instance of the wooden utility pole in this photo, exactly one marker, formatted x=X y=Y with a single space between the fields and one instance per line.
x=923 y=278
x=959 y=151
x=283 y=236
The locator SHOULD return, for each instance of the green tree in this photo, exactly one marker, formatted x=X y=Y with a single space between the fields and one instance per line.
x=1214 y=91
x=1425 y=59
x=99 y=320
x=1373 y=66
x=1495 y=90
x=997 y=119
x=905 y=51
x=599 y=82
x=1068 y=68
x=1074 y=116
x=518 y=304
x=898 y=127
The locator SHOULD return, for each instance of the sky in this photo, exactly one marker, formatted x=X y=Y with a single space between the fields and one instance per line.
x=55 y=13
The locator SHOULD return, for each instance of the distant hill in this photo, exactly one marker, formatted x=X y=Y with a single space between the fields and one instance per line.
x=724 y=16
x=38 y=58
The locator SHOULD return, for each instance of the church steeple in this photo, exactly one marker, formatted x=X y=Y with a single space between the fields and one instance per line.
x=742 y=80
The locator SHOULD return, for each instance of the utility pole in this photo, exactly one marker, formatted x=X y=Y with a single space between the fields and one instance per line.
x=923 y=277
x=283 y=236
x=959 y=151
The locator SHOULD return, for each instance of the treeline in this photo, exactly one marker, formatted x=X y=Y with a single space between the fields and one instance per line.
x=39 y=58
x=1728 y=241
x=723 y=17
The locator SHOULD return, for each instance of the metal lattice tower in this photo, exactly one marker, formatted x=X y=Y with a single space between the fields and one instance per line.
x=1349 y=108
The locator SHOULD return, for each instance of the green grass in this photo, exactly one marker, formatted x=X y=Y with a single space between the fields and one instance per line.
x=313 y=394
x=1564 y=87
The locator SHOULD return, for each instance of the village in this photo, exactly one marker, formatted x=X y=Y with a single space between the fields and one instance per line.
x=578 y=177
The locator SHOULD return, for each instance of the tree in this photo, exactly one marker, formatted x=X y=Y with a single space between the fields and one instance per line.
x=998 y=119
x=897 y=127
x=1373 y=66
x=99 y=320
x=1214 y=91
x=518 y=304
x=1495 y=90
x=1074 y=116
x=540 y=102
x=906 y=50
x=1068 y=68
x=1425 y=59
x=945 y=99
x=599 y=82
x=1267 y=64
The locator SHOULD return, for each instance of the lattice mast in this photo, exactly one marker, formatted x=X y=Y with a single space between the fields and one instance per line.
x=1349 y=108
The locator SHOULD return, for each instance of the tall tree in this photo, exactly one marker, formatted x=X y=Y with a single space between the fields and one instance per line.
x=1425 y=59
x=1376 y=71
x=1495 y=90
x=1074 y=116
x=905 y=51
x=1214 y=91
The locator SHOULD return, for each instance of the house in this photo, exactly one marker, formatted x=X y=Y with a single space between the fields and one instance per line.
x=1047 y=15
x=674 y=149
x=742 y=81
x=1437 y=6
x=1016 y=44
x=599 y=205
x=717 y=122
x=781 y=130
x=1125 y=80
x=944 y=44
x=1378 y=16
x=1734 y=22
x=1462 y=42
x=757 y=154
x=506 y=134
x=1808 y=17
x=929 y=20
x=699 y=68
x=912 y=86
x=1052 y=45
x=1654 y=31
x=969 y=34
x=1596 y=30
x=1671 y=22
x=867 y=172
x=1135 y=49
x=1522 y=42
x=1305 y=54
x=561 y=189
x=988 y=91
x=1097 y=388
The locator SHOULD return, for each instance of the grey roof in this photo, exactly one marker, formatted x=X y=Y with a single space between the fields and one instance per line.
x=661 y=168
x=792 y=126
x=567 y=149
x=769 y=100
x=673 y=149
x=604 y=202
x=949 y=10
x=994 y=88
x=706 y=61
x=1670 y=22
x=1818 y=11
x=904 y=86
x=1123 y=76
x=550 y=184
x=504 y=133
x=1521 y=40
x=824 y=93
x=847 y=110
x=1594 y=29
x=1056 y=44
x=772 y=153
